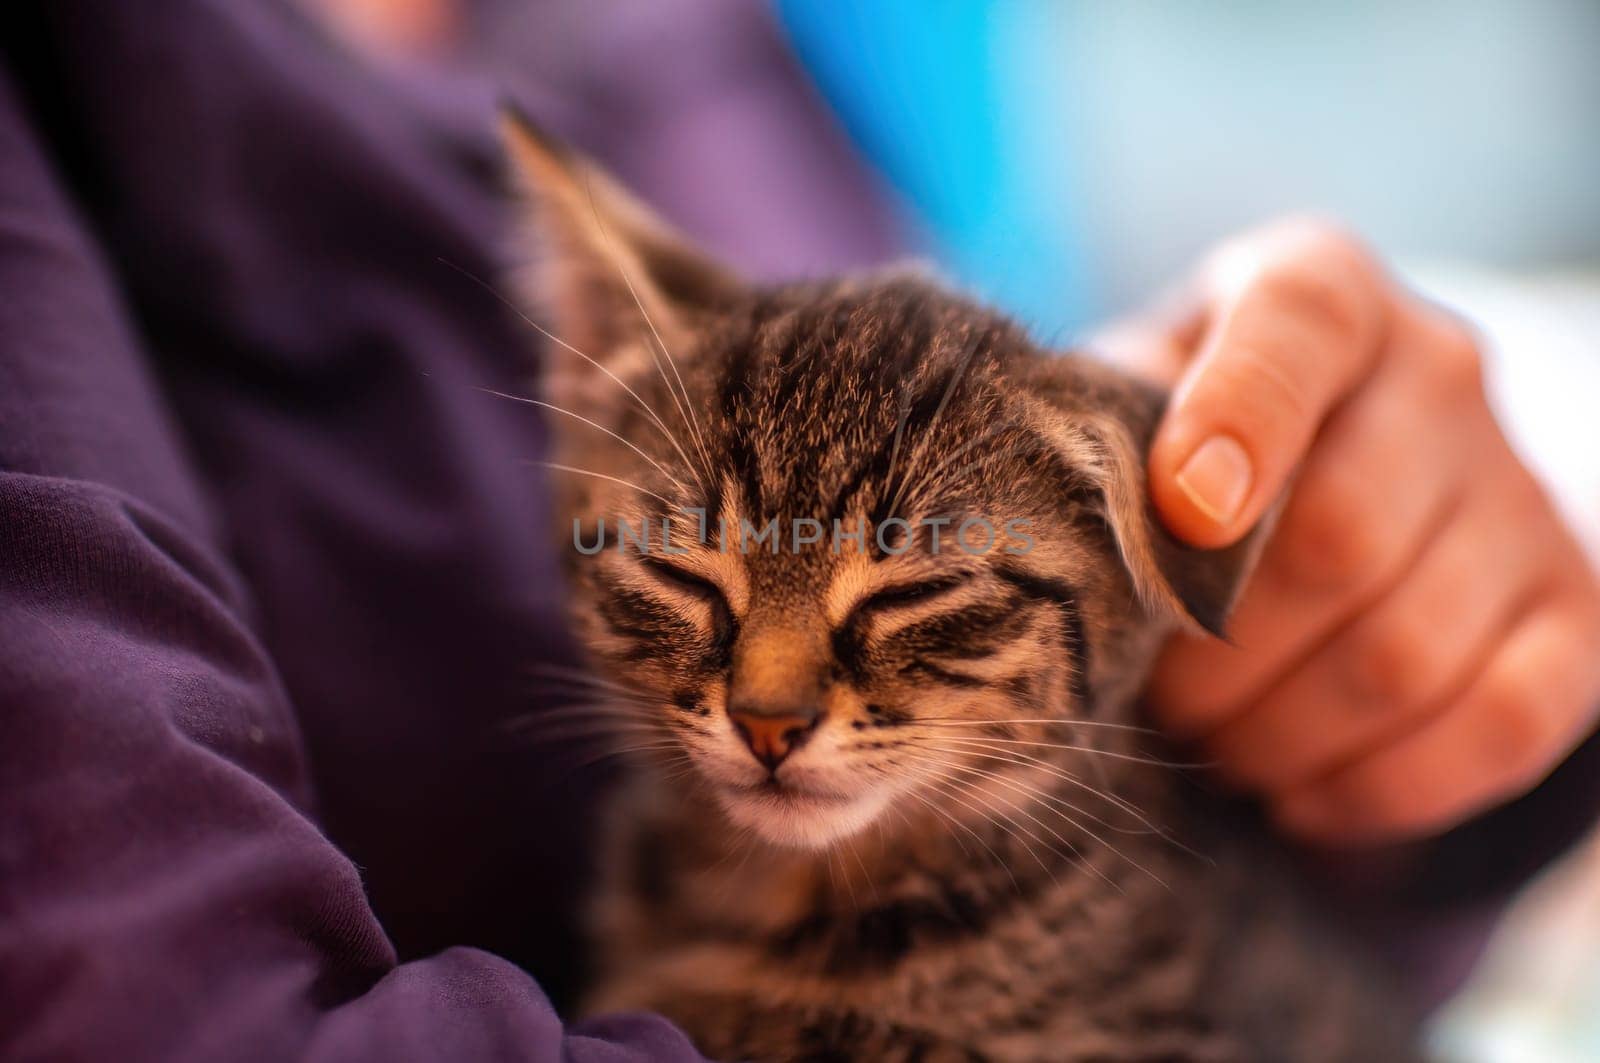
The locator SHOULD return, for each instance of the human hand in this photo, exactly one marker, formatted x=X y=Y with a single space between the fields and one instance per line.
x=1421 y=640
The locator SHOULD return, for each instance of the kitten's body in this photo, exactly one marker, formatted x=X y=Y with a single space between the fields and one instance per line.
x=958 y=844
x=912 y=947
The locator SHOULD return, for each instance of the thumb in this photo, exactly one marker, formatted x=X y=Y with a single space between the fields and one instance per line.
x=1293 y=328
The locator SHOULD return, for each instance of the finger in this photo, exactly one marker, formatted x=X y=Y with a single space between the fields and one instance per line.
x=1160 y=341
x=1529 y=708
x=1406 y=657
x=1297 y=327
x=1371 y=494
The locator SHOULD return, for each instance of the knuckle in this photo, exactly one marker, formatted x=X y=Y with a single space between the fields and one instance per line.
x=1187 y=709
x=1330 y=537
x=1375 y=802
x=1526 y=504
x=1323 y=294
x=1400 y=663
x=1328 y=237
x=1586 y=605
x=1455 y=359
x=1516 y=731
x=1430 y=811
x=1278 y=403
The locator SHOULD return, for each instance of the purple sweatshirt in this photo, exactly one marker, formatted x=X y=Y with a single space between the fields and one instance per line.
x=273 y=574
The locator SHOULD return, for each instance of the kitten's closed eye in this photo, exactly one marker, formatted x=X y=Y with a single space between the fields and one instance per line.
x=905 y=595
x=683 y=579
x=723 y=625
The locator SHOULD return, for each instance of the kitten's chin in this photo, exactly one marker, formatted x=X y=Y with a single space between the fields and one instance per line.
x=799 y=820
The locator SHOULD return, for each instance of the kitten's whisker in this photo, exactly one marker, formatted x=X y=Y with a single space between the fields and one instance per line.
x=627 y=751
x=609 y=707
x=601 y=476
x=572 y=671
x=1056 y=799
x=1004 y=866
x=592 y=424
x=913 y=489
x=605 y=706
x=951 y=721
x=551 y=724
x=568 y=713
x=1011 y=756
x=572 y=769
x=962 y=786
x=1051 y=799
x=598 y=697
x=588 y=729
x=603 y=716
x=686 y=769
x=1135 y=758
x=585 y=676
x=686 y=403
x=894 y=450
x=740 y=844
x=646 y=746
x=844 y=873
x=951 y=789
x=1072 y=854
x=911 y=828
x=866 y=876
x=833 y=885
x=956 y=376
x=601 y=696
x=553 y=338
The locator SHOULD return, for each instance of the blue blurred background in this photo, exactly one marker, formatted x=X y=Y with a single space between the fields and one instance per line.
x=1066 y=157
x=1069 y=159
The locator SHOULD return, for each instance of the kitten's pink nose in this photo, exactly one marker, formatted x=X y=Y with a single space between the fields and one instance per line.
x=773 y=736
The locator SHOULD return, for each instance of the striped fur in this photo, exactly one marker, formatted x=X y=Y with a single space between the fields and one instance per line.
x=977 y=852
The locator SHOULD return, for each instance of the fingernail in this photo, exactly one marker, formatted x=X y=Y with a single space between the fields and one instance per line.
x=1217 y=478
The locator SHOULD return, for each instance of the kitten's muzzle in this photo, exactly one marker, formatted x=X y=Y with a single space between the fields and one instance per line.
x=772 y=736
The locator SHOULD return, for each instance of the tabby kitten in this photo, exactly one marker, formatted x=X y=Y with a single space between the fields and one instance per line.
x=875 y=585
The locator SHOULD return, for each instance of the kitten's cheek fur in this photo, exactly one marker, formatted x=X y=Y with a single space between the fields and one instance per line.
x=800 y=821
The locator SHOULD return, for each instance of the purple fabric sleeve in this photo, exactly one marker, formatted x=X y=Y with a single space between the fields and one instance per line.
x=266 y=561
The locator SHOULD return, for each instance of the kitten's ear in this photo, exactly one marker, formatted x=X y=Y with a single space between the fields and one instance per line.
x=1110 y=419
x=605 y=269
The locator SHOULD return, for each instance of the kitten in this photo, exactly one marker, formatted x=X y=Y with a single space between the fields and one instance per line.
x=875 y=584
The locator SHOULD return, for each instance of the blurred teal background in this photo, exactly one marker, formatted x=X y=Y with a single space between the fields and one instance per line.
x=1067 y=159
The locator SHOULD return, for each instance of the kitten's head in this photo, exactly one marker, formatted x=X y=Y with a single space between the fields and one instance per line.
x=833 y=537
